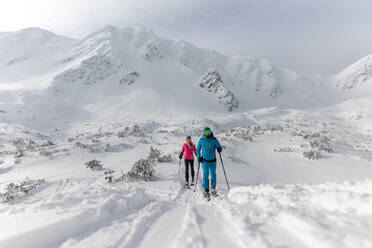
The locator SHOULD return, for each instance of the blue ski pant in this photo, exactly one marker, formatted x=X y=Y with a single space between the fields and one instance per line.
x=209 y=168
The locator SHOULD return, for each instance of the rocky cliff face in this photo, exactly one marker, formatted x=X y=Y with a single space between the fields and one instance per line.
x=212 y=83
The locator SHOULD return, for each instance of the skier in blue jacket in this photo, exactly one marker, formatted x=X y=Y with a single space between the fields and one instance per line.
x=208 y=145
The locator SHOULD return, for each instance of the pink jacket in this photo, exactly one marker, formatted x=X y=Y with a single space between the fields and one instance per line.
x=188 y=152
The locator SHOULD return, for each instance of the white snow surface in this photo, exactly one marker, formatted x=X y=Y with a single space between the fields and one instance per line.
x=116 y=93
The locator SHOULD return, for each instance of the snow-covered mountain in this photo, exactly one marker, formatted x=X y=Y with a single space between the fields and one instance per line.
x=30 y=53
x=358 y=74
x=133 y=70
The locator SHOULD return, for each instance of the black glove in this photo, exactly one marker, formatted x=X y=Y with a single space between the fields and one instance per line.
x=200 y=160
x=219 y=149
x=181 y=155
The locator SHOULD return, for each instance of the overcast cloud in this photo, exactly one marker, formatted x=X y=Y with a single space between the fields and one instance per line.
x=318 y=36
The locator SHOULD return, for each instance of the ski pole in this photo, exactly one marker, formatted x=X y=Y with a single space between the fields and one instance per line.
x=197 y=175
x=179 y=169
x=224 y=172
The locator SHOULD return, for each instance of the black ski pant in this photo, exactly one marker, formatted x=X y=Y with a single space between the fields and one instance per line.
x=189 y=164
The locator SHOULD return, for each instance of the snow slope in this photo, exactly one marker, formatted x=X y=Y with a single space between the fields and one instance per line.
x=117 y=92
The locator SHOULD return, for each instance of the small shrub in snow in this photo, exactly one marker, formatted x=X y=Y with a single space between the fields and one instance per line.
x=321 y=146
x=239 y=132
x=111 y=179
x=155 y=155
x=48 y=143
x=258 y=130
x=80 y=145
x=19 y=143
x=94 y=164
x=142 y=170
x=136 y=129
x=31 y=145
x=274 y=128
x=122 y=134
x=107 y=148
x=319 y=142
x=19 y=153
x=311 y=135
x=283 y=149
x=14 y=191
x=109 y=171
x=45 y=153
x=133 y=131
x=311 y=155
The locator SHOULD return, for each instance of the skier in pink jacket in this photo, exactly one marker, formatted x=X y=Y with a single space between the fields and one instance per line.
x=188 y=149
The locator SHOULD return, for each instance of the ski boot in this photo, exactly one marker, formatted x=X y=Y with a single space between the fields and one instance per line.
x=214 y=192
x=207 y=195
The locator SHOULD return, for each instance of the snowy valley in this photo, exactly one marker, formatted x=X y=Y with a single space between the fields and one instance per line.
x=297 y=147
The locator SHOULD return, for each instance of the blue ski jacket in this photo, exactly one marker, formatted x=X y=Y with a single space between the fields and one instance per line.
x=208 y=147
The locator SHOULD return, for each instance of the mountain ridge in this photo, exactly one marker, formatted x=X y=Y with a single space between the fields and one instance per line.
x=132 y=70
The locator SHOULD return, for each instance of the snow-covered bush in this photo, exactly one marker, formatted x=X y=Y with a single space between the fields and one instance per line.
x=155 y=155
x=135 y=130
x=94 y=164
x=321 y=146
x=109 y=171
x=45 y=153
x=19 y=153
x=111 y=179
x=14 y=190
x=19 y=143
x=241 y=133
x=142 y=170
x=32 y=146
x=80 y=145
x=274 y=128
x=311 y=155
x=48 y=143
x=122 y=134
x=258 y=129
x=283 y=149
x=319 y=141
x=311 y=135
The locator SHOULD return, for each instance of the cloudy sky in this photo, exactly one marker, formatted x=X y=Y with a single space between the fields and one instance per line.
x=318 y=36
